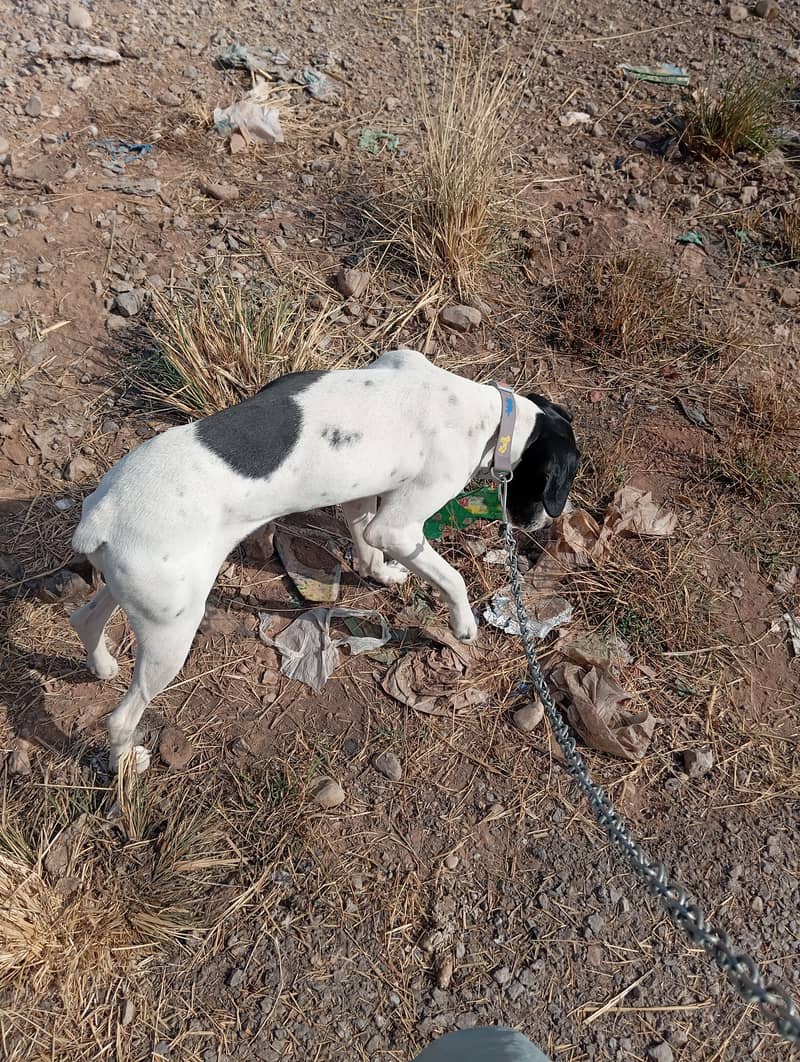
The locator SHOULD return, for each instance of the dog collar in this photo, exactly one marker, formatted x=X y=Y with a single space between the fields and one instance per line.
x=501 y=460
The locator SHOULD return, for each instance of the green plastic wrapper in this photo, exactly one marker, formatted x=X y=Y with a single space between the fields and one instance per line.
x=479 y=504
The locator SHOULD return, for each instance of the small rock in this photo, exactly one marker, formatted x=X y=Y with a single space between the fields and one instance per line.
x=337 y=140
x=128 y=1012
x=128 y=303
x=502 y=976
x=389 y=765
x=18 y=762
x=225 y=193
x=235 y=977
x=352 y=283
x=65 y=585
x=451 y=861
x=4 y=146
x=518 y=16
x=114 y=322
x=328 y=793
x=737 y=12
x=237 y=144
x=162 y=1050
x=391 y=103
x=260 y=546
x=79 y=468
x=317 y=301
x=461 y=318
x=637 y=202
x=749 y=194
x=175 y=749
x=13 y=214
x=596 y=923
x=444 y=972
x=757 y=905
x=789 y=297
x=660 y=1052
x=169 y=99
x=698 y=762
x=79 y=18
x=767 y=9
x=528 y=717
x=33 y=107
x=80 y=84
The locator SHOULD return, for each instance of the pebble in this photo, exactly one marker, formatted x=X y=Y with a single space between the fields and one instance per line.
x=225 y=193
x=128 y=303
x=4 y=146
x=737 y=12
x=444 y=972
x=114 y=322
x=502 y=976
x=175 y=749
x=79 y=468
x=518 y=16
x=18 y=762
x=389 y=765
x=767 y=9
x=461 y=318
x=169 y=99
x=748 y=194
x=328 y=793
x=237 y=144
x=79 y=84
x=79 y=18
x=789 y=297
x=698 y=762
x=33 y=107
x=660 y=1052
x=352 y=283
x=528 y=717
x=451 y=861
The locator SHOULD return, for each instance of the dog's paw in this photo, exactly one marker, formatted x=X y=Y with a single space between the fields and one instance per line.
x=390 y=574
x=466 y=631
x=105 y=668
x=141 y=759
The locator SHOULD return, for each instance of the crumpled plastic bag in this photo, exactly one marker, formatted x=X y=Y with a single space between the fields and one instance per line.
x=545 y=613
x=317 y=84
x=308 y=652
x=596 y=649
x=429 y=679
x=255 y=121
x=313 y=584
x=595 y=708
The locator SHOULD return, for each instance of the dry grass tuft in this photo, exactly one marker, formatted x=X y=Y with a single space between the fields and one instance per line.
x=738 y=117
x=450 y=209
x=220 y=346
x=632 y=310
x=788 y=232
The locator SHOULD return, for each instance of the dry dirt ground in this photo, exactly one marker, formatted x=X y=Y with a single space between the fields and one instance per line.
x=213 y=911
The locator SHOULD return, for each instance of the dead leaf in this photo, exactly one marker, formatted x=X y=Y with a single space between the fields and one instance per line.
x=313 y=584
x=15 y=452
x=430 y=680
x=596 y=710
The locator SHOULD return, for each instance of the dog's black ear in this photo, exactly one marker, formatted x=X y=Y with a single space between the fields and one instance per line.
x=544 y=474
x=546 y=404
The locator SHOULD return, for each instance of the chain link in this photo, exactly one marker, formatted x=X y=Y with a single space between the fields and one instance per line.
x=774 y=1002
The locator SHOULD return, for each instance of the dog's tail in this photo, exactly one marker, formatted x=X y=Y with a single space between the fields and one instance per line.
x=92 y=531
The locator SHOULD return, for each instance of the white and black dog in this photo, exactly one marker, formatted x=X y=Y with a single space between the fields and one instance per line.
x=391 y=443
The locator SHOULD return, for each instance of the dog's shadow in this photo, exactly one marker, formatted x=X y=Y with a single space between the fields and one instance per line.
x=49 y=697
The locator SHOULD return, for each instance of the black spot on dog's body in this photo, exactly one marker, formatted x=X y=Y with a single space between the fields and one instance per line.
x=165 y=558
x=369 y=383
x=255 y=437
x=179 y=613
x=337 y=438
x=452 y=400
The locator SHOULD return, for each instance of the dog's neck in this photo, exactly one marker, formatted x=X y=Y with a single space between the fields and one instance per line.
x=527 y=413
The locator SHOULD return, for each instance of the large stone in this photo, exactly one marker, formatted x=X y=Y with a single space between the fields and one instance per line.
x=79 y=18
x=328 y=793
x=461 y=318
x=698 y=762
x=352 y=283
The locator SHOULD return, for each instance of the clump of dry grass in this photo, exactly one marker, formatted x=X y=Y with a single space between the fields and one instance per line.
x=632 y=310
x=788 y=232
x=448 y=212
x=737 y=117
x=220 y=346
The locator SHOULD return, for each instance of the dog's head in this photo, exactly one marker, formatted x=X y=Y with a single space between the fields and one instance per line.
x=544 y=473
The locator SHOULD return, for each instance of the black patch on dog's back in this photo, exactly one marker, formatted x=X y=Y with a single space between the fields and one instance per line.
x=255 y=437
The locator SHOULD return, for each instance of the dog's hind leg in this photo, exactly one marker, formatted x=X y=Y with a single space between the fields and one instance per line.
x=368 y=561
x=161 y=649
x=89 y=622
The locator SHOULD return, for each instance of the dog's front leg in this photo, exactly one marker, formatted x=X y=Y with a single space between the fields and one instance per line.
x=409 y=546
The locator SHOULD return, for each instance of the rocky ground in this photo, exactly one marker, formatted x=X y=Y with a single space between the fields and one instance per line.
x=461 y=880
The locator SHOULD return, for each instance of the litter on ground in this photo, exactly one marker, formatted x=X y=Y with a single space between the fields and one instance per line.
x=372 y=140
x=252 y=117
x=308 y=652
x=479 y=504
x=432 y=680
x=661 y=73
x=313 y=584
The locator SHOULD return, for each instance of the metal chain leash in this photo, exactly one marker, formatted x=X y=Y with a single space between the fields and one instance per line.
x=774 y=1002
